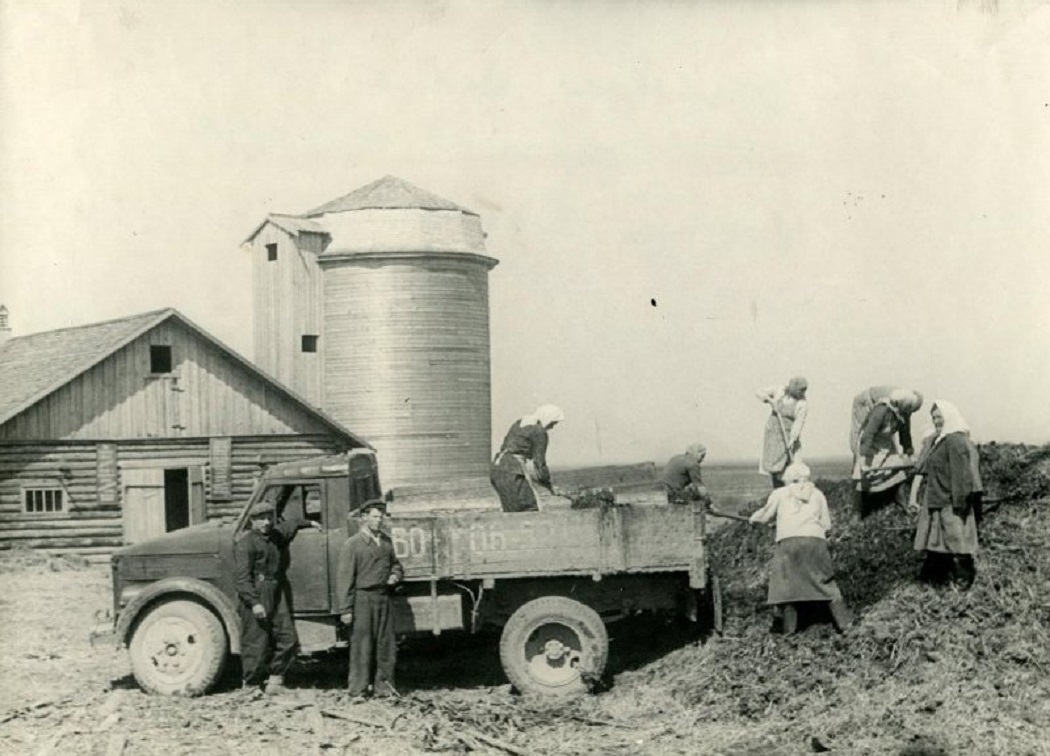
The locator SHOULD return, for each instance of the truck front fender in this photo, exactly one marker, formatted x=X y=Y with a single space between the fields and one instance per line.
x=207 y=593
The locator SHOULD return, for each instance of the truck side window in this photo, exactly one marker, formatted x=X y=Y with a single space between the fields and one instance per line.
x=300 y=502
x=312 y=508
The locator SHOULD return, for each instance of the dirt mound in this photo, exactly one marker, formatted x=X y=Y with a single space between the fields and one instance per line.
x=919 y=661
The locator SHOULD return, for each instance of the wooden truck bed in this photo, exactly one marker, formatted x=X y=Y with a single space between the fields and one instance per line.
x=457 y=530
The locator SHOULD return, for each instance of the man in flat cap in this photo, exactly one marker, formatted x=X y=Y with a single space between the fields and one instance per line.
x=269 y=642
x=370 y=569
x=681 y=476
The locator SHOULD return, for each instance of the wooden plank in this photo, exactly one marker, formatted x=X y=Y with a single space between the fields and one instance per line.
x=221 y=454
x=107 y=474
x=144 y=515
x=611 y=540
x=22 y=535
x=65 y=543
x=28 y=522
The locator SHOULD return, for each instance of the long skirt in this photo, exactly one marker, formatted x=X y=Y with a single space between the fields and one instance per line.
x=774 y=448
x=801 y=570
x=944 y=532
x=509 y=478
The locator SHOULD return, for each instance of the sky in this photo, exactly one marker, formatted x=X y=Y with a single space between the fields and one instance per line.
x=688 y=201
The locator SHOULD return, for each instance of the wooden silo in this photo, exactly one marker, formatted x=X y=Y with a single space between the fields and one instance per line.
x=406 y=329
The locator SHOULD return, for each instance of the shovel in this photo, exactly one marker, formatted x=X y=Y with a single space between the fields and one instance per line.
x=728 y=516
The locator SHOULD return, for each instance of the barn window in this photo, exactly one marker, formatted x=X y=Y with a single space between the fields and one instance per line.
x=271 y=252
x=159 y=359
x=43 y=500
x=309 y=343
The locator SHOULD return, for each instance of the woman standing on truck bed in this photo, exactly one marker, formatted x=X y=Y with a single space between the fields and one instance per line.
x=526 y=440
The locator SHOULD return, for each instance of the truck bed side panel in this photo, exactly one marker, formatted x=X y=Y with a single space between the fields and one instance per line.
x=589 y=541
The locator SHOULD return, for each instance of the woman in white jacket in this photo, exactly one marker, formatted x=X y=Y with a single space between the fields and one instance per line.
x=801 y=569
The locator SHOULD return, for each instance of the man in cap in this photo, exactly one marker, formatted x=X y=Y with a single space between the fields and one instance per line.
x=681 y=476
x=370 y=569
x=269 y=642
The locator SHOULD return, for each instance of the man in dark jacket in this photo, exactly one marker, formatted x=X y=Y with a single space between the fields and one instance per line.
x=268 y=638
x=681 y=476
x=370 y=569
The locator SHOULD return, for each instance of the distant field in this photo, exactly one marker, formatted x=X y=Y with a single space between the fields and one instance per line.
x=733 y=484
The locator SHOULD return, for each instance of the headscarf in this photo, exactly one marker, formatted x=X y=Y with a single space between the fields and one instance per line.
x=796 y=471
x=796 y=386
x=544 y=415
x=905 y=401
x=696 y=450
x=954 y=422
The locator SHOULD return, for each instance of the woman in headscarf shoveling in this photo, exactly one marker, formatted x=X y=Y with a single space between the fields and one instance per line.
x=525 y=441
x=801 y=570
x=881 y=465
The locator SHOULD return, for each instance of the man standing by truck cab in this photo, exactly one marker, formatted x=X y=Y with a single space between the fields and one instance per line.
x=268 y=638
x=370 y=569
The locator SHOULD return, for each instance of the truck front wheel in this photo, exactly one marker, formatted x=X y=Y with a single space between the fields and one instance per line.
x=178 y=648
x=554 y=646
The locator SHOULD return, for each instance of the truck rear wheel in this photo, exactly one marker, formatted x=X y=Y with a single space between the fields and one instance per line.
x=178 y=648
x=554 y=646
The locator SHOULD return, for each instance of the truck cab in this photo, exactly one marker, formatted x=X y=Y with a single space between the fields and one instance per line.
x=174 y=598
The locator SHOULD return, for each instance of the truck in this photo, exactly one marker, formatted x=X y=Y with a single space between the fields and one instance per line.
x=549 y=581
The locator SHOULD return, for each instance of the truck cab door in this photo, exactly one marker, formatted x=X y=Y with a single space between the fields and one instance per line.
x=308 y=552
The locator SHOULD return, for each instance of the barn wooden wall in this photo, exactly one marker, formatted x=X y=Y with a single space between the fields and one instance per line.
x=208 y=393
x=89 y=473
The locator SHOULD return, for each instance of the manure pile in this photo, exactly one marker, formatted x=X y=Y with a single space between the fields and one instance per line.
x=923 y=670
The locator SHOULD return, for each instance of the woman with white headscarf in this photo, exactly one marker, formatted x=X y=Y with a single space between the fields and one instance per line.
x=947 y=527
x=881 y=416
x=525 y=441
x=782 y=437
x=801 y=570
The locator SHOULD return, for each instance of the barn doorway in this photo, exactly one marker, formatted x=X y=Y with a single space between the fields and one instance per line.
x=159 y=500
x=176 y=499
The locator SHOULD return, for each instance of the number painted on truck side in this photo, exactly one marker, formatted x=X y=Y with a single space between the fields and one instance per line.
x=487 y=538
x=409 y=542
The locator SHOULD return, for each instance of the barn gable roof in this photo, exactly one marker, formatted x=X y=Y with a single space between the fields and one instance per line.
x=35 y=366
x=291 y=224
x=388 y=193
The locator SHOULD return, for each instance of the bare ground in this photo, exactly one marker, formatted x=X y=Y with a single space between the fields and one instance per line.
x=924 y=672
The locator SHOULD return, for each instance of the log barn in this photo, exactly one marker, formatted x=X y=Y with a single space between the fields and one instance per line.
x=116 y=432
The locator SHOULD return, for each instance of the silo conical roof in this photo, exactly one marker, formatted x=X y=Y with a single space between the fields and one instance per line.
x=388 y=193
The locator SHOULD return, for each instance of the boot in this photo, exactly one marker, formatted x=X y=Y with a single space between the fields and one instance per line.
x=790 y=619
x=935 y=568
x=275 y=685
x=963 y=572
x=841 y=616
